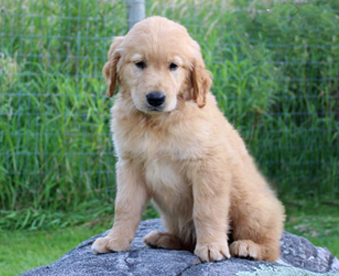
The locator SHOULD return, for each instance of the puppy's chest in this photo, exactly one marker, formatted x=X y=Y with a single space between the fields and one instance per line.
x=147 y=146
x=167 y=184
x=163 y=174
x=162 y=157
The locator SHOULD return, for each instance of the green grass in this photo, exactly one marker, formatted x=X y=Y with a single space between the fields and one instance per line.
x=316 y=221
x=21 y=251
x=275 y=77
x=24 y=250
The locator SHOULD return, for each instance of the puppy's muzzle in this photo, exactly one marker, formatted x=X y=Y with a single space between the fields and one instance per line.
x=155 y=99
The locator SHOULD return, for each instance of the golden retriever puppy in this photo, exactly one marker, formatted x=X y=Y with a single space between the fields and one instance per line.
x=175 y=146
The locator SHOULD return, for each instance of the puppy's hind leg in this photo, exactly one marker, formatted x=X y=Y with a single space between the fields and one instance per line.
x=157 y=239
x=257 y=230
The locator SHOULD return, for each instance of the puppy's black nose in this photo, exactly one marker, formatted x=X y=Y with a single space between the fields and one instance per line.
x=155 y=98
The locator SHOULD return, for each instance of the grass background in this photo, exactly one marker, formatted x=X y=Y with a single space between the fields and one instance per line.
x=276 y=71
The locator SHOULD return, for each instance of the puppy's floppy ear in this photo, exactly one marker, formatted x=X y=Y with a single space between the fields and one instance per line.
x=201 y=78
x=110 y=68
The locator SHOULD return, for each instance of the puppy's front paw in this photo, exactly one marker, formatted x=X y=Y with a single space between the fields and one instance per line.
x=107 y=244
x=213 y=252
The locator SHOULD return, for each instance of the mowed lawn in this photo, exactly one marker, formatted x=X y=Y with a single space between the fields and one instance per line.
x=22 y=250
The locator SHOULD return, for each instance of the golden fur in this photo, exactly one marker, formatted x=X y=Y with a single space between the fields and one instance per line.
x=187 y=157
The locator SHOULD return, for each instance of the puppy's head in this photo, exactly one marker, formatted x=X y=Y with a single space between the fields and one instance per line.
x=158 y=64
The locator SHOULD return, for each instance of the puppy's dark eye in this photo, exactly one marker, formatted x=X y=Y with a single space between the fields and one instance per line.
x=140 y=64
x=173 y=67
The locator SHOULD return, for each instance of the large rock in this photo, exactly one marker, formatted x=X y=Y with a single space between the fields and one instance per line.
x=298 y=257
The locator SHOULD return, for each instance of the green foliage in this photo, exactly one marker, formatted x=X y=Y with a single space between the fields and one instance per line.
x=275 y=68
x=44 y=219
x=54 y=141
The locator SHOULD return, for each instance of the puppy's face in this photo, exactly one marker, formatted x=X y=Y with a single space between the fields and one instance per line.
x=155 y=76
x=157 y=64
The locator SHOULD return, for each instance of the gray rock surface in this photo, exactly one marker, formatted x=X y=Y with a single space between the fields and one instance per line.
x=298 y=257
